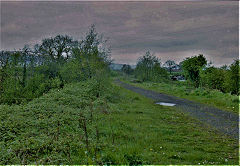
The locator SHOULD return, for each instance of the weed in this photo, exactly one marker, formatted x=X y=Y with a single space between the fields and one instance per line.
x=73 y=130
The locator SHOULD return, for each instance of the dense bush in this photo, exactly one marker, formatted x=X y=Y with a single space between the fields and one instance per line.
x=213 y=78
x=42 y=130
x=223 y=79
x=192 y=67
x=29 y=73
x=232 y=82
x=148 y=69
x=127 y=69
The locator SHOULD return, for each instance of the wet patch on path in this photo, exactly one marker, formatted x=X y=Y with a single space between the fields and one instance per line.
x=166 y=104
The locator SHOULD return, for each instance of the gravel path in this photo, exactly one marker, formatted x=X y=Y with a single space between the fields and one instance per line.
x=223 y=121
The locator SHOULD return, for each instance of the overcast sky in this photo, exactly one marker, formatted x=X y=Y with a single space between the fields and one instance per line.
x=171 y=30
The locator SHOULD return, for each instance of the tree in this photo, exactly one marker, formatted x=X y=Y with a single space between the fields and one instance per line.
x=28 y=73
x=214 y=78
x=149 y=68
x=24 y=59
x=4 y=63
x=170 y=64
x=90 y=57
x=192 y=66
x=57 y=49
x=233 y=78
x=127 y=69
x=159 y=73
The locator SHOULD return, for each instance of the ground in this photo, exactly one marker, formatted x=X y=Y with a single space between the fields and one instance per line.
x=129 y=129
x=223 y=121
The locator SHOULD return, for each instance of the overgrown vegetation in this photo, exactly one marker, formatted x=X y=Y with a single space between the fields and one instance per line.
x=127 y=69
x=58 y=106
x=59 y=127
x=170 y=64
x=224 y=101
x=29 y=73
x=148 y=69
x=217 y=86
x=74 y=126
x=196 y=70
x=192 y=67
x=225 y=79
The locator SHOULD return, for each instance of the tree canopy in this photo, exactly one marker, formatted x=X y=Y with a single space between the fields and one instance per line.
x=149 y=68
x=192 y=67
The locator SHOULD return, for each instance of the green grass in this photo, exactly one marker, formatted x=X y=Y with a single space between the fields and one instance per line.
x=224 y=101
x=125 y=128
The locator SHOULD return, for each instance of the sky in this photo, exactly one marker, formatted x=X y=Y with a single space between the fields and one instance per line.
x=169 y=29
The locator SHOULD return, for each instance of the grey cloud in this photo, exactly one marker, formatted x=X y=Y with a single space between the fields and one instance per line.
x=165 y=28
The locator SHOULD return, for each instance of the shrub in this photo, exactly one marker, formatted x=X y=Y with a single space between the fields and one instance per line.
x=148 y=69
x=213 y=78
x=223 y=79
x=192 y=67
x=11 y=91
x=30 y=73
x=233 y=78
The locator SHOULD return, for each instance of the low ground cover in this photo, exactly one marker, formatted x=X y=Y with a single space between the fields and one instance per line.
x=224 y=101
x=76 y=125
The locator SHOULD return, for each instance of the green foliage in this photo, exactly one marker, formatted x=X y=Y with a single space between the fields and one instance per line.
x=57 y=49
x=127 y=69
x=213 y=78
x=170 y=64
x=114 y=73
x=159 y=73
x=14 y=92
x=63 y=110
x=11 y=91
x=233 y=78
x=88 y=59
x=28 y=73
x=52 y=130
x=192 y=67
x=213 y=97
x=224 y=79
x=71 y=72
x=35 y=87
x=148 y=69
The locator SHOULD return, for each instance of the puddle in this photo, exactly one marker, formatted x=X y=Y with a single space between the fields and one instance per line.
x=166 y=104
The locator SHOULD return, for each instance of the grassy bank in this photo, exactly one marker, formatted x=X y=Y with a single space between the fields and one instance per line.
x=73 y=126
x=224 y=101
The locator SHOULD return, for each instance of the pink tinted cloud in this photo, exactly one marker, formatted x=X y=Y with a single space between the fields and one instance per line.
x=170 y=29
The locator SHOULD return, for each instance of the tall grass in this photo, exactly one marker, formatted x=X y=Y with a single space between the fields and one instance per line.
x=74 y=125
x=216 y=98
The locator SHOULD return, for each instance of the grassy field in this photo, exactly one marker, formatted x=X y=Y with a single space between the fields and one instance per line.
x=73 y=126
x=224 y=101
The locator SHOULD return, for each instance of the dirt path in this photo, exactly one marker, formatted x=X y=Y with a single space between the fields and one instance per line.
x=223 y=121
